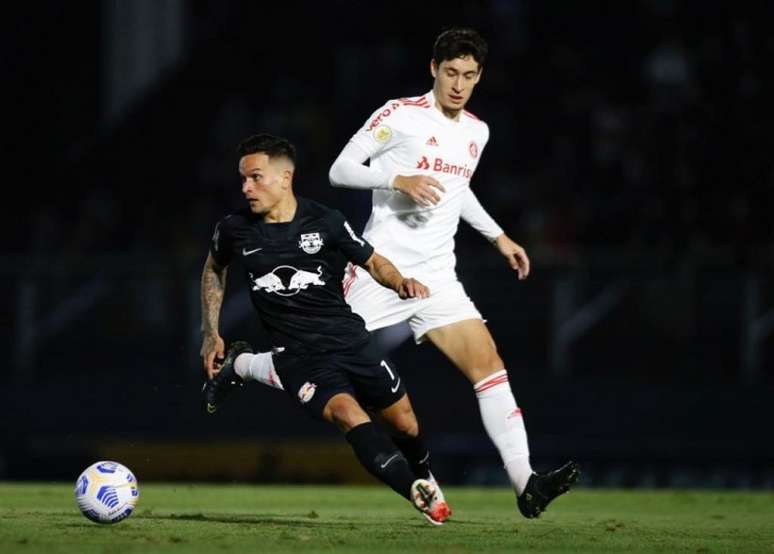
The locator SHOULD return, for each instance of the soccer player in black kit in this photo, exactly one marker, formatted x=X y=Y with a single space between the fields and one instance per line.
x=294 y=252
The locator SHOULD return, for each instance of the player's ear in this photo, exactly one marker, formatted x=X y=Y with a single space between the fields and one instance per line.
x=287 y=177
x=433 y=69
x=478 y=75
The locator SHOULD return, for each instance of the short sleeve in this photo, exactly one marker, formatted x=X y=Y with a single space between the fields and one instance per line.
x=221 y=243
x=354 y=248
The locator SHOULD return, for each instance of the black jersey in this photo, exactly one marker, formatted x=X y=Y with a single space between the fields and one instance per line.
x=295 y=270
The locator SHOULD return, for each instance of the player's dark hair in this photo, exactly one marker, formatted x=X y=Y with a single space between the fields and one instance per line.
x=274 y=147
x=460 y=42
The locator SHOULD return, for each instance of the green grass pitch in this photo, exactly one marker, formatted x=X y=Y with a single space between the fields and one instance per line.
x=36 y=517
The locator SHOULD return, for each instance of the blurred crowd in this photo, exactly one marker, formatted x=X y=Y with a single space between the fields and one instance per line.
x=629 y=154
x=621 y=127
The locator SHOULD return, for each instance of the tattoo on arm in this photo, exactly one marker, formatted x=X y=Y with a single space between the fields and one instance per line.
x=213 y=289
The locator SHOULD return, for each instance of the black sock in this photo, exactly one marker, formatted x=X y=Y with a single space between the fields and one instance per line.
x=417 y=454
x=381 y=458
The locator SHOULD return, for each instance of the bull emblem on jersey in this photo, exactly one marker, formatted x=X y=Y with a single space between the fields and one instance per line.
x=310 y=243
x=302 y=279
x=297 y=279
x=268 y=283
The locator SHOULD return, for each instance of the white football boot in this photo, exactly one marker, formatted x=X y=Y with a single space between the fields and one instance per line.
x=424 y=496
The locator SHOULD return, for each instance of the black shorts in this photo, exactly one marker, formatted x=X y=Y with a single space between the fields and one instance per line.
x=312 y=379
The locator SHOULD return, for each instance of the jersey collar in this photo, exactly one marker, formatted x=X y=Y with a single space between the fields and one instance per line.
x=438 y=114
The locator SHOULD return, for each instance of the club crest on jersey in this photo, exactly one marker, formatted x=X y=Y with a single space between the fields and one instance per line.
x=473 y=149
x=287 y=280
x=310 y=243
x=306 y=392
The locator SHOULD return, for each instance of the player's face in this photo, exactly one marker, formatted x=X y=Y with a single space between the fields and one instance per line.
x=265 y=182
x=454 y=81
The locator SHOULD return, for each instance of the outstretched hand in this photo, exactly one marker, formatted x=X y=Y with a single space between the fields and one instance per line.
x=514 y=254
x=213 y=348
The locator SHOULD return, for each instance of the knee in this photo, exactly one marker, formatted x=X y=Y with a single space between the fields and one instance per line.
x=493 y=363
x=489 y=361
x=345 y=412
x=486 y=363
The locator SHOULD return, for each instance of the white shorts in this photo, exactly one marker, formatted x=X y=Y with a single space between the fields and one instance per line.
x=381 y=307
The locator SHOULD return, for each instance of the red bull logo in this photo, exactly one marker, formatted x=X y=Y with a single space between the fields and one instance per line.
x=287 y=280
x=311 y=243
x=306 y=392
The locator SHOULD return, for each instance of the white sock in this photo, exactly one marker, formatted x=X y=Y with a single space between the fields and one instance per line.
x=505 y=426
x=257 y=367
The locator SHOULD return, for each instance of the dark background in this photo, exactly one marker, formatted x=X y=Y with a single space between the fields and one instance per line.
x=629 y=154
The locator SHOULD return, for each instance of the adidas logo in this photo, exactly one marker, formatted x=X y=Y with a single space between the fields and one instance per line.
x=432 y=142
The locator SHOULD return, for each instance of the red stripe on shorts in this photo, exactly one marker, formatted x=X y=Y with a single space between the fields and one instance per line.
x=349 y=279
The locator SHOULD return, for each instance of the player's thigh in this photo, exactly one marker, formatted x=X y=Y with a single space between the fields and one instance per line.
x=311 y=381
x=378 y=306
x=376 y=381
x=448 y=303
x=387 y=339
x=343 y=410
x=470 y=346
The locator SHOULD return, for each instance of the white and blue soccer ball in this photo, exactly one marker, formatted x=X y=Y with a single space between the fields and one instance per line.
x=107 y=492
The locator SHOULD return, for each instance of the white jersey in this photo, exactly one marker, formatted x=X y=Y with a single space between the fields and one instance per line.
x=410 y=136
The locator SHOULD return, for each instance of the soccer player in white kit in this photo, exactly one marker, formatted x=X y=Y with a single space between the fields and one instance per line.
x=423 y=152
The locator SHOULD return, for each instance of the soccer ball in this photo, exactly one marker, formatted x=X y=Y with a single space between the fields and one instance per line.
x=106 y=492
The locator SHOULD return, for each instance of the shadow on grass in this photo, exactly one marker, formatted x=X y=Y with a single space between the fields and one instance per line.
x=243 y=519
x=310 y=520
x=297 y=521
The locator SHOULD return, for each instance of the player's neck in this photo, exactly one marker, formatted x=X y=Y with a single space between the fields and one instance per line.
x=448 y=113
x=283 y=212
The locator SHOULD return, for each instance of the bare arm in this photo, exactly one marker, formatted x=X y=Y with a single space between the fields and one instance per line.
x=213 y=290
x=387 y=275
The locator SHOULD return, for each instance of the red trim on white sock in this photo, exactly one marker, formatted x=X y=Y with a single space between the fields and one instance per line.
x=491 y=381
